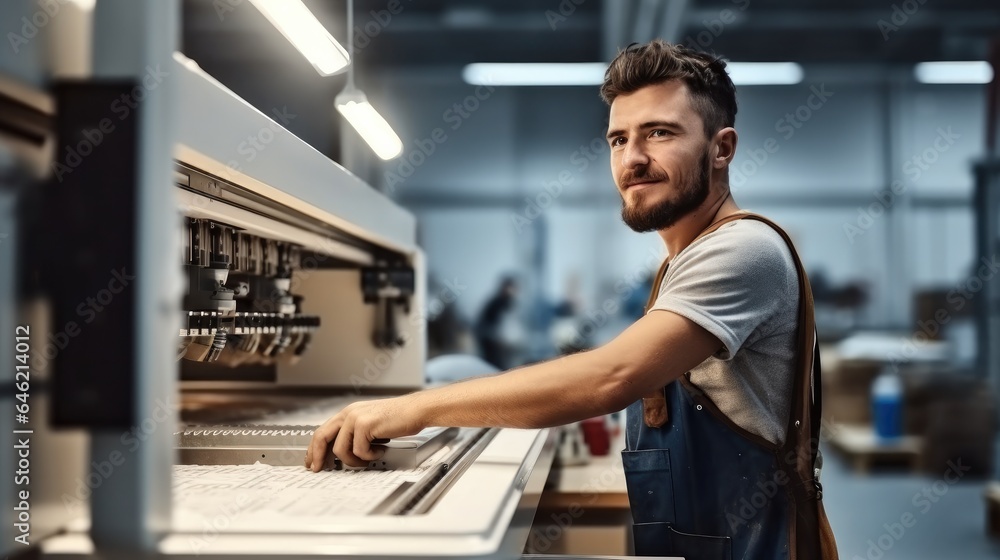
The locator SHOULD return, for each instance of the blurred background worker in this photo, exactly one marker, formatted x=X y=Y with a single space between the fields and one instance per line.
x=497 y=331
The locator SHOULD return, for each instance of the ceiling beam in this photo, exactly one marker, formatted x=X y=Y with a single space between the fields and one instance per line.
x=645 y=23
x=615 y=20
x=673 y=20
x=859 y=20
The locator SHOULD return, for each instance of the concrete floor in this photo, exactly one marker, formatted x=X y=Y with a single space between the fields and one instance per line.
x=869 y=515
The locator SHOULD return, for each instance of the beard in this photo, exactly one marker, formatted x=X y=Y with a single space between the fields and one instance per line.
x=667 y=212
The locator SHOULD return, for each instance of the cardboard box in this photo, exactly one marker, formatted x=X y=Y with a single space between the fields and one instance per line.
x=941 y=454
x=931 y=307
x=961 y=429
x=925 y=388
x=847 y=389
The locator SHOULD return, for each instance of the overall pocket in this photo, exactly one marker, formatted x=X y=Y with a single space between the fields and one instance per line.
x=650 y=485
x=661 y=539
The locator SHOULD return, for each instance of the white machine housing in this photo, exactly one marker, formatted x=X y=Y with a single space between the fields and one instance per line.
x=192 y=121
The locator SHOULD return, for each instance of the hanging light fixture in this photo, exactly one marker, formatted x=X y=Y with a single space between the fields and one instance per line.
x=353 y=104
x=294 y=20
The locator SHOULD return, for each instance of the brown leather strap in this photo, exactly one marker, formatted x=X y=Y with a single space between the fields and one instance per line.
x=654 y=405
x=809 y=526
x=809 y=530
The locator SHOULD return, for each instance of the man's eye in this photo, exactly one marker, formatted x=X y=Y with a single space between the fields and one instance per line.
x=617 y=141
x=661 y=132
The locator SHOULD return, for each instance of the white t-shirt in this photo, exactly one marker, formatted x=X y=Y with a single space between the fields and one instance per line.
x=740 y=284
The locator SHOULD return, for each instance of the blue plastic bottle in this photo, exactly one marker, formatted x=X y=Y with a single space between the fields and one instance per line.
x=887 y=405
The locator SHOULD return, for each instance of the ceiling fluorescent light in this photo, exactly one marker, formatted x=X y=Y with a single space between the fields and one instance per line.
x=372 y=127
x=764 y=73
x=353 y=104
x=967 y=72
x=592 y=73
x=306 y=33
x=535 y=74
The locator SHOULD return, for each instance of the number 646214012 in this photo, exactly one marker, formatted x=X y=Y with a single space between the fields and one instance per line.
x=22 y=347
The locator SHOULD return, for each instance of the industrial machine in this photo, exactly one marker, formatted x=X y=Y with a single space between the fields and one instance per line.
x=185 y=315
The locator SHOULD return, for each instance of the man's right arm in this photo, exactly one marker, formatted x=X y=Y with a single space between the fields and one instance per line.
x=654 y=351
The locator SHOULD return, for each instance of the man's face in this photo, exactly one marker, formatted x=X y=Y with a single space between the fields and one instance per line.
x=659 y=155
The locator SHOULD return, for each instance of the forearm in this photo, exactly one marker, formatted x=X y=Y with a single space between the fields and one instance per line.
x=652 y=352
x=560 y=391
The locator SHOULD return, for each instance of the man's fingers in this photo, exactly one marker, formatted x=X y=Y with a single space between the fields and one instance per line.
x=320 y=443
x=350 y=433
x=344 y=446
x=363 y=447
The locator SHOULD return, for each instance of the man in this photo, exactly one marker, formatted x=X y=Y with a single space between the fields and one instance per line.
x=721 y=426
x=494 y=346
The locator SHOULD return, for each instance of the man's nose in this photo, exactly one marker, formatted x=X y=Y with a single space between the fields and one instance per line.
x=634 y=155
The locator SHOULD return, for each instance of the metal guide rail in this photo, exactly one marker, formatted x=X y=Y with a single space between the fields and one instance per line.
x=416 y=471
x=279 y=445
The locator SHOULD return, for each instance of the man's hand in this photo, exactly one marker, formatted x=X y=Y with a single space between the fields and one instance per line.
x=654 y=351
x=349 y=433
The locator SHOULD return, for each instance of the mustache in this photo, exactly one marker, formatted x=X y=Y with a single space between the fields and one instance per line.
x=630 y=178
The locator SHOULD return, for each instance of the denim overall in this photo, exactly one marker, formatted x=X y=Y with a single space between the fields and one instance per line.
x=703 y=488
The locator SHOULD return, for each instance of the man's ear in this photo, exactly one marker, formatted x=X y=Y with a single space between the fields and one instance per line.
x=724 y=143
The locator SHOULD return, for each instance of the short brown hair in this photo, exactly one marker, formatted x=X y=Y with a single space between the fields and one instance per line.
x=713 y=93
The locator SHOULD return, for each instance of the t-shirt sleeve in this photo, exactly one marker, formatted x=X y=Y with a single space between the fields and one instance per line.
x=730 y=282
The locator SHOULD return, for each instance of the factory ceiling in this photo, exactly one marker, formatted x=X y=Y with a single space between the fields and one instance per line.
x=417 y=33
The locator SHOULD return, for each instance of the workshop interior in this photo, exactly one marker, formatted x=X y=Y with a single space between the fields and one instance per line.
x=223 y=221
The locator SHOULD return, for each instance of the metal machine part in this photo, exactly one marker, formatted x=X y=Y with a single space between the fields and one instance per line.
x=286 y=446
x=239 y=307
x=234 y=272
x=271 y=250
x=387 y=287
x=434 y=459
x=420 y=497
